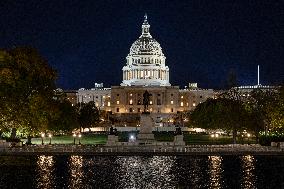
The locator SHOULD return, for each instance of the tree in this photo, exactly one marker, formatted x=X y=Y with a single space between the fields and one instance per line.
x=26 y=90
x=221 y=113
x=88 y=114
x=65 y=117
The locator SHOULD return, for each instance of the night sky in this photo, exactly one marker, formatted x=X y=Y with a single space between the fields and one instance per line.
x=87 y=41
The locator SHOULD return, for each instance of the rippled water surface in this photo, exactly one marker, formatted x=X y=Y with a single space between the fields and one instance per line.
x=142 y=172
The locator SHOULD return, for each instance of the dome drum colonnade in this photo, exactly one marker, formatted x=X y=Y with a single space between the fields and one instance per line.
x=145 y=64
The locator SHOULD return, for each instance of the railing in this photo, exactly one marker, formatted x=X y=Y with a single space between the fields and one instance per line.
x=147 y=149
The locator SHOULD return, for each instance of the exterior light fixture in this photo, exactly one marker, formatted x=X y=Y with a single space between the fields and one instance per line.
x=42 y=136
x=79 y=138
x=74 y=135
x=50 y=135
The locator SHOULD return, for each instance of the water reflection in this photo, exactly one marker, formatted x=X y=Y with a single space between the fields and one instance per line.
x=248 y=172
x=76 y=171
x=45 y=169
x=145 y=172
x=215 y=171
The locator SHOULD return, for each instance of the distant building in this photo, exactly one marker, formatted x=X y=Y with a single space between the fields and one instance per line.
x=99 y=95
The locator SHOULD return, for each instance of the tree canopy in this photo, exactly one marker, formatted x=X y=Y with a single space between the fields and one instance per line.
x=27 y=83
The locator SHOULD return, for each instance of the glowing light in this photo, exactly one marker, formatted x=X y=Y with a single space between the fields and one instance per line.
x=42 y=135
x=49 y=135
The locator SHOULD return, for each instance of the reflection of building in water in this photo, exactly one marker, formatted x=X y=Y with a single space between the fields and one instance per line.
x=45 y=168
x=144 y=172
x=76 y=171
x=215 y=168
x=248 y=172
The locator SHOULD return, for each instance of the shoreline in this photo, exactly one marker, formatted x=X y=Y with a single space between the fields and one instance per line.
x=193 y=150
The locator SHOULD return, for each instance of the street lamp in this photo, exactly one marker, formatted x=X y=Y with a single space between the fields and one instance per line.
x=216 y=136
x=248 y=137
x=213 y=136
x=49 y=135
x=74 y=135
x=42 y=136
x=79 y=138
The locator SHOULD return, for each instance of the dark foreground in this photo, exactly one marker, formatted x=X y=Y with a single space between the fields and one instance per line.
x=43 y=171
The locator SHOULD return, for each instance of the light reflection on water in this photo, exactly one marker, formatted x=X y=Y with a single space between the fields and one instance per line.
x=215 y=171
x=76 y=171
x=142 y=172
x=45 y=168
x=145 y=172
x=248 y=172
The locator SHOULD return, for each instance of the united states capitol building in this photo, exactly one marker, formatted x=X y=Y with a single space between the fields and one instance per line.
x=145 y=69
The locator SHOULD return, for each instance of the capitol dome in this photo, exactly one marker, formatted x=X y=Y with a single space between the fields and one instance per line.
x=145 y=63
x=146 y=46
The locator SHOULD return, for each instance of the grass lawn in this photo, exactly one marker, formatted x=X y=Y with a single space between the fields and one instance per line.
x=85 y=139
x=123 y=137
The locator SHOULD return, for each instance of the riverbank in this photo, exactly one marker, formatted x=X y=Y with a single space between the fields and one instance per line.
x=142 y=150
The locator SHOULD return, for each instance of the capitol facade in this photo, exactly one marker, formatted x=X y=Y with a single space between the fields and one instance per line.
x=145 y=69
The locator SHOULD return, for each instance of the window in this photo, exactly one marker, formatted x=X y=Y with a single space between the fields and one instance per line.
x=139 y=102
x=193 y=104
x=172 y=102
x=117 y=109
x=172 y=94
x=138 y=110
x=200 y=96
x=130 y=94
x=151 y=102
x=117 y=94
x=117 y=102
x=130 y=110
x=159 y=94
x=181 y=104
x=172 y=110
x=151 y=109
x=181 y=97
x=108 y=103
x=159 y=101
x=130 y=101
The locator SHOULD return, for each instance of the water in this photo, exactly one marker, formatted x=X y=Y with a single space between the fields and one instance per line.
x=142 y=172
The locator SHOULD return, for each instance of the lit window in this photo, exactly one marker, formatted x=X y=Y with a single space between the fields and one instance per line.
x=181 y=97
x=172 y=102
x=103 y=96
x=193 y=104
x=181 y=104
x=117 y=102
x=130 y=102
x=151 y=102
x=151 y=109
x=130 y=94
x=108 y=103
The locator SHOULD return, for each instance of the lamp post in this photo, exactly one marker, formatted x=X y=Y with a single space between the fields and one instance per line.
x=74 y=135
x=79 y=138
x=248 y=135
x=213 y=137
x=42 y=136
x=216 y=136
x=49 y=135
